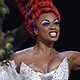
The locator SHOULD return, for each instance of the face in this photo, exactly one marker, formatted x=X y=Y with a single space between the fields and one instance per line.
x=47 y=27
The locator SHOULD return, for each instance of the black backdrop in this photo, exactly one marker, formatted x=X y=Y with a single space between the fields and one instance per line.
x=70 y=26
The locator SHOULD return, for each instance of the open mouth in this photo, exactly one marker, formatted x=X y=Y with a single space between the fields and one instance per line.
x=53 y=34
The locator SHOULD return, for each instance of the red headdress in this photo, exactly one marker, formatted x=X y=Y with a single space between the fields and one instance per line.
x=32 y=9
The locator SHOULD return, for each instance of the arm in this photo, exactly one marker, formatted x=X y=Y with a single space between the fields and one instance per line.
x=75 y=60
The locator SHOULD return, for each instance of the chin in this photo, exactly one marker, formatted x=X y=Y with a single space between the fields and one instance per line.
x=53 y=39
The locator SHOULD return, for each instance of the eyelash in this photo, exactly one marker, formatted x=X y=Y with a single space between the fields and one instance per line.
x=56 y=23
x=47 y=23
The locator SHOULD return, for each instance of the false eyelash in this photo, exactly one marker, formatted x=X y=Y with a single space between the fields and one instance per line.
x=56 y=22
x=45 y=22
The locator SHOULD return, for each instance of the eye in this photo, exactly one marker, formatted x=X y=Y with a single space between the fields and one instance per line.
x=45 y=23
x=56 y=22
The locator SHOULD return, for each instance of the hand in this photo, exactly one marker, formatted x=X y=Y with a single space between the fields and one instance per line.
x=6 y=62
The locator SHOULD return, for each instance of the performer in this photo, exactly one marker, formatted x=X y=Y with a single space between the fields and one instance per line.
x=42 y=61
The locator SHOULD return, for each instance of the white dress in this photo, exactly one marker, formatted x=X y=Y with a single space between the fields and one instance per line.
x=26 y=73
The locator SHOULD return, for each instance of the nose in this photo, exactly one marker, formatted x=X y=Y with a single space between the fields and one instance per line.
x=52 y=26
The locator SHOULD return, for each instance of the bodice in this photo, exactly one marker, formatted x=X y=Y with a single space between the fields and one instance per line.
x=26 y=73
x=60 y=73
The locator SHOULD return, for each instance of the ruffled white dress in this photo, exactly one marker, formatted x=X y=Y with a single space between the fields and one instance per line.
x=26 y=73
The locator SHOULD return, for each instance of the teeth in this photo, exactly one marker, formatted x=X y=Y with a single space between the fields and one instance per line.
x=53 y=34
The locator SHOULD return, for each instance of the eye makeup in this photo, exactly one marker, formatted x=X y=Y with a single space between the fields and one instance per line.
x=45 y=22
x=56 y=22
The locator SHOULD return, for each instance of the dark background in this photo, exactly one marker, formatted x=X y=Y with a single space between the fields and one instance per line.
x=70 y=26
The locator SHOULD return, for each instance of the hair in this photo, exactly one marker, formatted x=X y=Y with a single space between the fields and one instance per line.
x=32 y=9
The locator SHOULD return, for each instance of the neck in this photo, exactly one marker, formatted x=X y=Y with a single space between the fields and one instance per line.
x=44 y=48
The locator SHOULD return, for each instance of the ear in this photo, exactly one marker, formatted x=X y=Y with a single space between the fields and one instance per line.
x=36 y=31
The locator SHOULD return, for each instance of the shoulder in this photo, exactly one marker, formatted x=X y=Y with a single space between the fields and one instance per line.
x=69 y=53
x=19 y=56
x=73 y=57
x=22 y=53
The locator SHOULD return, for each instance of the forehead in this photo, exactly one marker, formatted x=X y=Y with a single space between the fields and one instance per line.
x=47 y=16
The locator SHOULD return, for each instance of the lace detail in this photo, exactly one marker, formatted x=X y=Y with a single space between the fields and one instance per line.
x=60 y=73
x=26 y=73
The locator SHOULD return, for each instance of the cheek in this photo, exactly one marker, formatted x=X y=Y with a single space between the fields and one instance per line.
x=43 y=30
x=58 y=28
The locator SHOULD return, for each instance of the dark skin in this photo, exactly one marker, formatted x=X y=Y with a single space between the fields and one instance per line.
x=43 y=57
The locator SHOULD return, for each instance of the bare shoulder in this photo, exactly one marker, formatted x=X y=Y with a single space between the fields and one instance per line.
x=19 y=56
x=70 y=54
x=73 y=59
